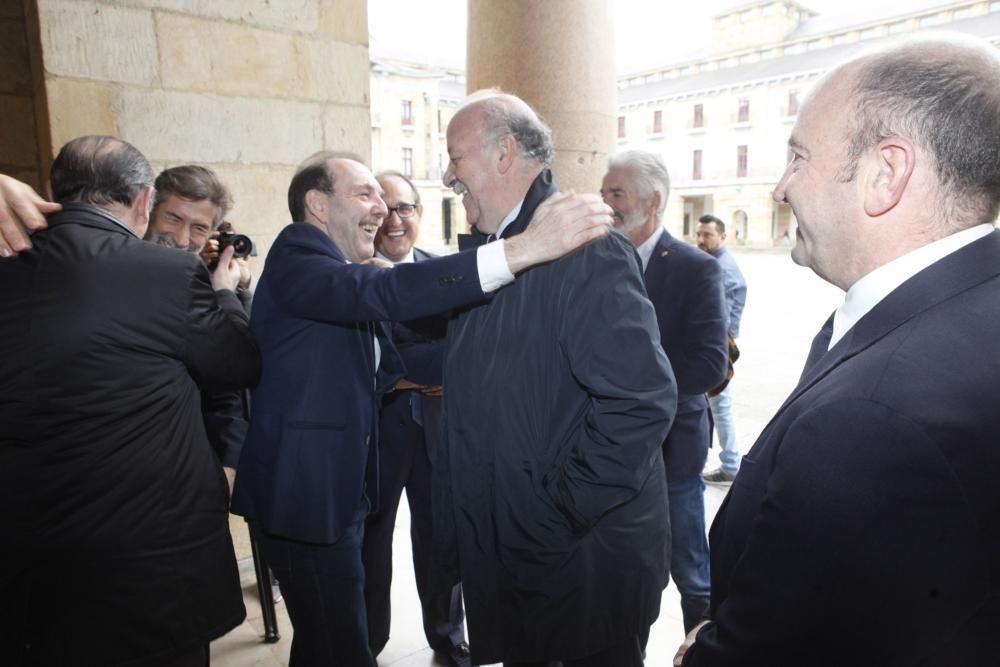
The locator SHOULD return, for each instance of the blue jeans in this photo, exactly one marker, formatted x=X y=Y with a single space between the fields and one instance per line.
x=324 y=590
x=722 y=413
x=689 y=563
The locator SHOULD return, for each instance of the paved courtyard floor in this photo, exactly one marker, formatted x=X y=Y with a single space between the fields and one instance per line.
x=786 y=306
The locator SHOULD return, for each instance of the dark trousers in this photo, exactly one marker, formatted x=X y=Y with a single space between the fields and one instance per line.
x=323 y=587
x=625 y=654
x=405 y=464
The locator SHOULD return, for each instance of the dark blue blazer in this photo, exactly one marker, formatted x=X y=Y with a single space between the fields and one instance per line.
x=313 y=432
x=685 y=286
x=422 y=345
x=862 y=527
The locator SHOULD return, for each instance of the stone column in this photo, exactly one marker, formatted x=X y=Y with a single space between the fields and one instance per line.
x=558 y=55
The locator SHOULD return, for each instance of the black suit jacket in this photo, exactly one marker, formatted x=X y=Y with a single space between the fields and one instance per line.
x=863 y=525
x=422 y=346
x=549 y=487
x=685 y=286
x=116 y=542
x=310 y=459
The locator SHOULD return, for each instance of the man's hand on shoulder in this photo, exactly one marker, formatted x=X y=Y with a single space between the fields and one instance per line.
x=379 y=262
x=563 y=223
x=21 y=209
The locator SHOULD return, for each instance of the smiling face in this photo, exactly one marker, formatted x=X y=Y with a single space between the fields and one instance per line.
x=398 y=234
x=824 y=205
x=177 y=222
x=472 y=170
x=355 y=209
x=633 y=216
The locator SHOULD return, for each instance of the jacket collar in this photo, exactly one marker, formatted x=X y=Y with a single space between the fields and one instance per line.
x=310 y=236
x=961 y=270
x=77 y=213
x=541 y=189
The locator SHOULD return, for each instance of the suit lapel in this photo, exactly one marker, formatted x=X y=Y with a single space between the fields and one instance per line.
x=961 y=270
x=658 y=265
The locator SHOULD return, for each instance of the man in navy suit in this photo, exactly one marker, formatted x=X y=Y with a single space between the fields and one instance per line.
x=308 y=474
x=862 y=526
x=408 y=432
x=685 y=286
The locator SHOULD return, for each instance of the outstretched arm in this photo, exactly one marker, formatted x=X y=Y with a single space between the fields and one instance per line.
x=22 y=210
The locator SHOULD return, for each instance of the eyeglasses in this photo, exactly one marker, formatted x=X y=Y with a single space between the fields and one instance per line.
x=402 y=210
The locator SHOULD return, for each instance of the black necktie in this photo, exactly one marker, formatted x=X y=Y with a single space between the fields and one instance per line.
x=491 y=238
x=820 y=344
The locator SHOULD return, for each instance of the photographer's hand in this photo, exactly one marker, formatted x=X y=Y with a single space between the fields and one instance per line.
x=227 y=273
x=211 y=249
x=245 y=275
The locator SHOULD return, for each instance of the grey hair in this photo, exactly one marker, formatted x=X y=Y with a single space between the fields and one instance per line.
x=508 y=114
x=194 y=183
x=650 y=174
x=945 y=97
x=99 y=170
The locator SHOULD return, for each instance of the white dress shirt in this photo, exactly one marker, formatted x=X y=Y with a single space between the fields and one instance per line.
x=646 y=249
x=870 y=290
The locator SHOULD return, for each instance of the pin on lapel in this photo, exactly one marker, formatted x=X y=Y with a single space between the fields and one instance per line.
x=664 y=253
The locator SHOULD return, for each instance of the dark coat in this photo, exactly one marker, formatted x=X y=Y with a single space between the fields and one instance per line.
x=310 y=465
x=862 y=527
x=685 y=287
x=550 y=484
x=116 y=544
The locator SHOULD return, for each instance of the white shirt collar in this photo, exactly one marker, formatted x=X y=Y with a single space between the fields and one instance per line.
x=871 y=289
x=510 y=218
x=646 y=249
x=406 y=260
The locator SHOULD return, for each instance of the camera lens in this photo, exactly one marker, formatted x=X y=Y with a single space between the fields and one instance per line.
x=242 y=246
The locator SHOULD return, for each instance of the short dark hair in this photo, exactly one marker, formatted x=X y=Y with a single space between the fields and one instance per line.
x=398 y=174
x=194 y=183
x=313 y=174
x=719 y=224
x=99 y=170
x=945 y=97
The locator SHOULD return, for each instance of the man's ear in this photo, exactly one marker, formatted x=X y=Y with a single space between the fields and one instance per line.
x=652 y=204
x=316 y=203
x=506 y=152
x=895 y=158
x=142 y=208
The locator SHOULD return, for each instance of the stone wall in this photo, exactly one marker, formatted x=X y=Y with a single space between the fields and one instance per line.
x=246 y=87
x=19 y=154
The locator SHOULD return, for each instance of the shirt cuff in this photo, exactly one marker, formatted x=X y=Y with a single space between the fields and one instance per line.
x=492 y=264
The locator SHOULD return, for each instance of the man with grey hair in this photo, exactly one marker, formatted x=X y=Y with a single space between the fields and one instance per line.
x=117 y=546
x=685 y=286
x=550 y=494
x=309 y=472
x=861 y=528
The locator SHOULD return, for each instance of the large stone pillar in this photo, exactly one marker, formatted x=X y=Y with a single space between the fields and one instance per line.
x=558 y=55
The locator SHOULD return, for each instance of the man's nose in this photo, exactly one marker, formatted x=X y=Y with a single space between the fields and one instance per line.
x=182 y=236
x=380 y=210
x=448 y=177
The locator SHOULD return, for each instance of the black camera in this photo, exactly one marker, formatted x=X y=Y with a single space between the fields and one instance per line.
x=242 y=247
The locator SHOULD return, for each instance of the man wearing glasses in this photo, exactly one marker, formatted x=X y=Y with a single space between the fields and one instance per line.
x=408 y=432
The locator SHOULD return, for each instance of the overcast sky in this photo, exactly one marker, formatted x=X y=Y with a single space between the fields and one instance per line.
x=647 y=32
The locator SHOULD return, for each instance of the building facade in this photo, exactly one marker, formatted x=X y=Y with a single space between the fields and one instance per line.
x=411 y=107
x=721 y=120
